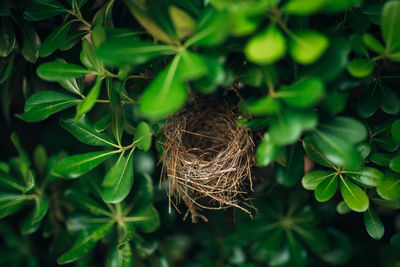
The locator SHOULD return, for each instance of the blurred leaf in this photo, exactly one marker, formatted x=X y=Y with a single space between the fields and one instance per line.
x=298 y=255
x=146 y=219
x=41 y=10
x=314 y=152
x=349 y=128
x=85 y=203
x=373 y=224
x=119 y=180
x=290 y=174
x=85 y=243
x=354 y=196
x=11 y=203
x=373 y=44
x=84 y=131
x=308 y=46
x=191 y=66
x=184 y=24
x=45 y=103
x=7 y=37
x=395 y=131
x=390 y=188
x=267 y=152
x=74 y=166
x=54 y=40
x=360 y=68
x=390 y=19
x=381 y=159
x=89 y=58
x=56 y=71
x=120 y=256
x=303 y=93
x=395 y=164
x=389 y=100
x=267 y=46
x=72 y=38
x=143 y=136
x=263 y=106
x=340 y=250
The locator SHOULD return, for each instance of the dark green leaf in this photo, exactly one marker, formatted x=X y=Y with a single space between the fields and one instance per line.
x=146 y=219
x=390 y=188
x=373 y=224
x=381 y=159
x=291 y=173
x=74 y=166
x=89 y=58
x=54 y=40
x=396 y=131
x=120 y=256
x=84 y=131
x=395 y=164
x=367 y=176
x=72 y=39
x=43 y=104
x=30 y=40
x=387 y=143
x=7 y=37
x=390 y=102
x=43 y=10
x=11 y=203
x=312 y=150
x=85 y=203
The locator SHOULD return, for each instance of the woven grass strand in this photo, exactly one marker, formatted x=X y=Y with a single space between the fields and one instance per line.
x=207 y=158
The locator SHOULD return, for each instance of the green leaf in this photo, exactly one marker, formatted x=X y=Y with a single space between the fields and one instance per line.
x=308 y=46
x=86 y=203
x=43 y=10
x=395 y=131
x=291 y=173
x=267 y=46
x=263 y=106
x=7 y=38
x=387 y=143
x=147 y=219
x=342 y=208
x=315 y=153
x=183 y=23
x=311 y=180
x=8 y=181
x=117 y=116
x=326 y=189
x=120 y=256
x=132 y=51
x=373 y=44
x=54 y=40
x=90 y=100
x=89 y=58
x=350 y=129
x=373 y=224
x=43 y=104
x=56 y=71
x=191 y=66
x=84 y=131
x=74 y=166
x=395 y=241
x=361 y=68
x=367 y=176
x=390 y=19
x=73 y=37
x=390 y=102
x=354 y=196
x=143 y=136
x=166 y=94
x=267 y=152
x=381 y=159
x=395 y=164
x=303 y=7
x=298 y=255
x=119 y=180
x=144 y=189
x=303 y=93
x=85 y=243
x=30 y=40
x=32 y=223
x=11 y=203
x=390 y=188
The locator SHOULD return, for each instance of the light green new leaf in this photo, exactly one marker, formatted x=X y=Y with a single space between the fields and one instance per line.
x=390 y=21
x=191 y=66
x=120 y=180
x=308 y=46
x=58 y=71
x=166 y=94
x=84 y=131
x=143 y=136
x=367 y=176
x=74 y=166
x=326 y=189
x=45 y=103
x=354 y=196
x=395 y=164
x=361 y=68
x=373 y=224
x=263 y=106
x=85 y=243
x=303 y=7
x=267 y=152
x=267 y=46
x=390 y=188
x=90 y=100
x=132 y=51
x=302 y=94
x=396 y=131
x=54 y=40
x=311 y=180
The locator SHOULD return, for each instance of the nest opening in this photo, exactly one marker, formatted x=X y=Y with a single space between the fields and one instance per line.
x=207 y=158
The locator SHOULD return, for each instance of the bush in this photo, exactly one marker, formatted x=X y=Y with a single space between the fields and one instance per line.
x=96 y=93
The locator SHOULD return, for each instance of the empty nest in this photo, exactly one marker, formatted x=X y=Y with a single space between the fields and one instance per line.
x=207 y=158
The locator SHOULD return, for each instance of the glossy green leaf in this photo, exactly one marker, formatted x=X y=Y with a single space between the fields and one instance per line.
x=72 y=38
x=342 y=208
x=312 y=150
x=84 y=131
x=8 y=181
x=90 y=100
x=373 y=224
x=267 y=46
x=390 y=188
x=361 y=68
x=166 y=94
x=308 y=46
x=312 y=179
x=293 y=171
x=56 y=71
x=367 y=176
x=74 y=166
x=89 y=58
x=267 y=152
x=54 y=40
x=132 y=51
x=119 y=180
x=390 y=19
x=43 y=104
x=85 y=243
x=143 y=136
x=302 y=94
x=7 y=38
x=354 y=196
x=395 y=164
x=326 y=189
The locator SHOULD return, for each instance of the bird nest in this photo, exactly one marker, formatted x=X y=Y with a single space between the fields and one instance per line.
x=207 y=158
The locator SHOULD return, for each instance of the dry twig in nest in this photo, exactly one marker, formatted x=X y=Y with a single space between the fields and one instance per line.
x=207 y=158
